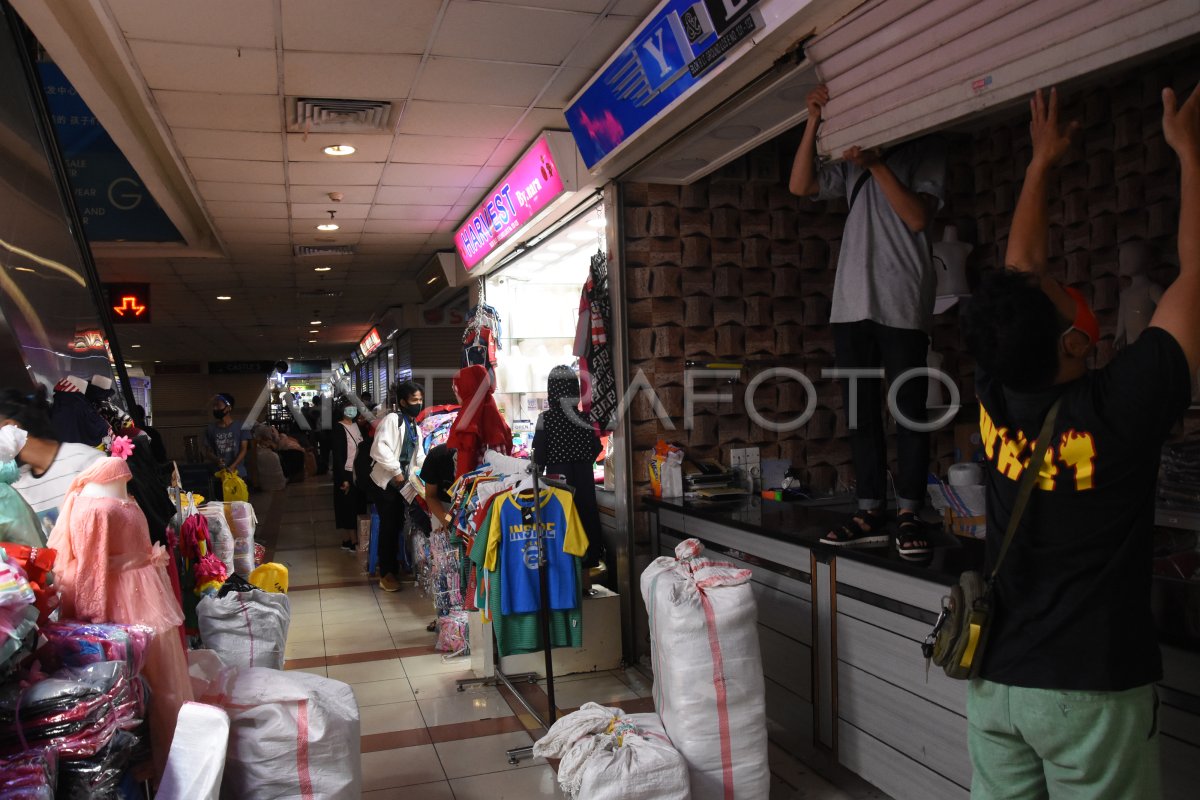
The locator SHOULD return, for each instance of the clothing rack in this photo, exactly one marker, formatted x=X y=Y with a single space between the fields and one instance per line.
x=498 y=676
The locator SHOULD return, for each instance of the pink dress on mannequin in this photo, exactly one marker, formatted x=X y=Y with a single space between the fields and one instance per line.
x=108 y=571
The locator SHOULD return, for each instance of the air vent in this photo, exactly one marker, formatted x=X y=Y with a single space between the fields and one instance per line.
x=323 y=115
x=324 y=250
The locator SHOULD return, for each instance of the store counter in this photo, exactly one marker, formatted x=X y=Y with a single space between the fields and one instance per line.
x=840 y=631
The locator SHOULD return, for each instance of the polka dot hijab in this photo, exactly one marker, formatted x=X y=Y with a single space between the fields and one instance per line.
x=564 y=434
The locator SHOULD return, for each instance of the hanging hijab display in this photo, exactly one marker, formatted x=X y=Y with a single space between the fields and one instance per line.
x=600 y=399
x=479 y=425
x=564 y=434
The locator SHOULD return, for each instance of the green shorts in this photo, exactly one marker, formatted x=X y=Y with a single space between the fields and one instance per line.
x=1029 y=744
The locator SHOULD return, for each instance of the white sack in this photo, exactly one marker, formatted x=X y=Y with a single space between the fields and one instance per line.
x=636 y=762
x=222 y=535
x=708 y=677
x=197 y=759
x=246 y=629
x=293 y=736
x=572 y=739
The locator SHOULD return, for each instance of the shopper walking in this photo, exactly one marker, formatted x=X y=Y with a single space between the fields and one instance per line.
x=226 y=442
x=883 y=298
x=1065 y=705
x=392 y=450
x=348 y=499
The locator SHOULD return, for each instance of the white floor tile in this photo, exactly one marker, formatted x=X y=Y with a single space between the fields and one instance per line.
x=518 y=784
x=485 y=754
x=406 y=766
x=378 y=693
x=450 y=710
x=368 y=672
x=433 y=664
x=390 y=717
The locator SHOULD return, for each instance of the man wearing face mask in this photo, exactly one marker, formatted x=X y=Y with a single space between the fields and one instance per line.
x=226 y=442
x=392 y=452
x=348 y=500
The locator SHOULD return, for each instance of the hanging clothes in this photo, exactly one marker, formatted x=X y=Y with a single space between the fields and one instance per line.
x=479 y=425
x=481 y=339
x=592 y=347
x=513 y=547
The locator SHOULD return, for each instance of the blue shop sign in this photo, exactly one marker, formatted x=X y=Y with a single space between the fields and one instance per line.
x=655 y=69
x=112 y=200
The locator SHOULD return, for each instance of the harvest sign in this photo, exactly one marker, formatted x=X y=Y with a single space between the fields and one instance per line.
x=531 y=185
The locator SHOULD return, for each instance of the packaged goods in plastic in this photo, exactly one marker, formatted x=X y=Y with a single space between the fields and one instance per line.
x=220 y=532
x=197 y=761
x=708 y=678
x=609 y=755
x=246 y=629
x=291 y=735
x=243 y=522
x=31 y=775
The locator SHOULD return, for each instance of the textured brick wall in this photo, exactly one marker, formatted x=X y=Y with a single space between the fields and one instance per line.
x=735 y=267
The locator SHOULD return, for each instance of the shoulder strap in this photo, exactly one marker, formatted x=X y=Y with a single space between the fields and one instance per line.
x=1027 y=481
x=858 y=185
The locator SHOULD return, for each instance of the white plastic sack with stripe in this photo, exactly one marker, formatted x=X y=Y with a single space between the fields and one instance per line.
x=197 y=760
x=246 y=629
x=609 y=755
x=292 y=736
x=708 y=677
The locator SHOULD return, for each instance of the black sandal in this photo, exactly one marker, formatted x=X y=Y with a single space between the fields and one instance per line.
x=912 y=541
x=864 y=529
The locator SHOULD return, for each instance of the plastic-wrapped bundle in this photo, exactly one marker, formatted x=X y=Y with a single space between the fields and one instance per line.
x=76 y=644
x=220 y=532
x=242 y=520
x=452 y=632
x=97 y=777
x=126 y=692
x=75 y=718
x=31 y=775
x=708 y=677
x=246 y=629
x=608 y=755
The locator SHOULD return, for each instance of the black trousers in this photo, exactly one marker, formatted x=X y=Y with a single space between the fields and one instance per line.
x=391 y=507
x=869 y=345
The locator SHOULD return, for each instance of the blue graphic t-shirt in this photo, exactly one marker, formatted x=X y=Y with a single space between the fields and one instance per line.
x=514 y=533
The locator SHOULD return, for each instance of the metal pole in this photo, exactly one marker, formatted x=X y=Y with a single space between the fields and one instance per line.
x=544 y=588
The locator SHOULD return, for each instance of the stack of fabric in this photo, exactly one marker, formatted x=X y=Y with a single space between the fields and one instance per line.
x=32 y=775
x=18 y=615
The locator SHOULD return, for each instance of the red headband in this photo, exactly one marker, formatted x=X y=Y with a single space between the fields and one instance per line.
x=1085 y=319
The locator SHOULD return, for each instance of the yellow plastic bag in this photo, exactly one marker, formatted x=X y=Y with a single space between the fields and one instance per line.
x=271 y=577
x=233 y=487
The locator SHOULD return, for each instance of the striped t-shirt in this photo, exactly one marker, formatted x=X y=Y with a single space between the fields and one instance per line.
x=45 y=493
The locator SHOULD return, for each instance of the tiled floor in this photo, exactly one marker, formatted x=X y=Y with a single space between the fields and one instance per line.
x=421 y=738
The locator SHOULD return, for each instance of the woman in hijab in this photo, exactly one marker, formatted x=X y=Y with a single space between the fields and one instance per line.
x=566 y=444
x=479 y=426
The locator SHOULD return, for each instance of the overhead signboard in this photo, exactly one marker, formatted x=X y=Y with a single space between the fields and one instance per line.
x=129 y=302
x=533 y=183
x=370 y=343
x=671 y=54
x=114 y=204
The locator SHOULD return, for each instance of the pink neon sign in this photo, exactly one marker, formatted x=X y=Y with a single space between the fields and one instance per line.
x=531 y=185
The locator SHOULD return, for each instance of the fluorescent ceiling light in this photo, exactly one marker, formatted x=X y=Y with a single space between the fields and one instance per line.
x=312 y=341
x=224 y=297
x=339 y=150
x=135 y=346
x=322 y=269
x=315 y=322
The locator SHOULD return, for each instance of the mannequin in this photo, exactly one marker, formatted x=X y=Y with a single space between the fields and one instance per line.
x=1139 y=294
x=950 y=261
x=108 y=571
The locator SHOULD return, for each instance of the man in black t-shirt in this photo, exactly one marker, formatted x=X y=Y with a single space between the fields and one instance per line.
x=437 y=473
x=1065 y=703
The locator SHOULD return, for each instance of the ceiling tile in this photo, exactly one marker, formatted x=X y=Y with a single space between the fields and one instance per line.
x=458 y=119
x=358 y=26
x=236 y=145
x=255 y=237
x=488 y=177
x=462 y=150
x=229 y=171
x=635 y=8
x=425 y=226
x=602 y=41
x=427 y=174
x=335 y=175
x=253 y=223
x=244 y=23
x=371 y=239
x=564 y=86
x=321 y=210
x=368 y=148
x=300 y=193
x=231 y=112
x=436 y=213
x=508 y=152
x=251 y=192
x=358 y=75
x=308 y=227
x=226 y=208
x=197 y=68
x=537 y=120
x=418 y=195
x=590 y=6
x=253 y=251
x=457 y=80
x=509 y=33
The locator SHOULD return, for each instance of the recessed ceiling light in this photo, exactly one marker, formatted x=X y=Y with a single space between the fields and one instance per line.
x=314 y=330
x=224 y=297
x=328 y=226
x=135 y=346
x=312 y=341
x=157 y=362
x=322 y=269
x=340 y=150
x=314 y=322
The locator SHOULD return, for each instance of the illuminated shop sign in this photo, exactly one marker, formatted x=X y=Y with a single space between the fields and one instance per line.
x=87 y=341
x=671 y=54
x=528 y=188
x=370 y=343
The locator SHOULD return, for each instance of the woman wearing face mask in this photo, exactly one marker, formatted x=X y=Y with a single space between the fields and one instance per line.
x=392 y=452
x=226 y=442
x=348 y=501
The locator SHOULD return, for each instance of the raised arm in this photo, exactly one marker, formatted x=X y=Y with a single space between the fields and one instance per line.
x=916 y=210
x=1027 y=239
x=1177 y=313
x=803 y=181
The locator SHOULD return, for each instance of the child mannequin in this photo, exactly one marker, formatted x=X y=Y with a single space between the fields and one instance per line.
x=1139 y=294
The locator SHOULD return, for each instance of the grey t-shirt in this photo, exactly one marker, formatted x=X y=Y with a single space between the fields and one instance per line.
x=885 y=271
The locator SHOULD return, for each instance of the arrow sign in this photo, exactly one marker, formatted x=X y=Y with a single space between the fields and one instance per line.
x=130 y=302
